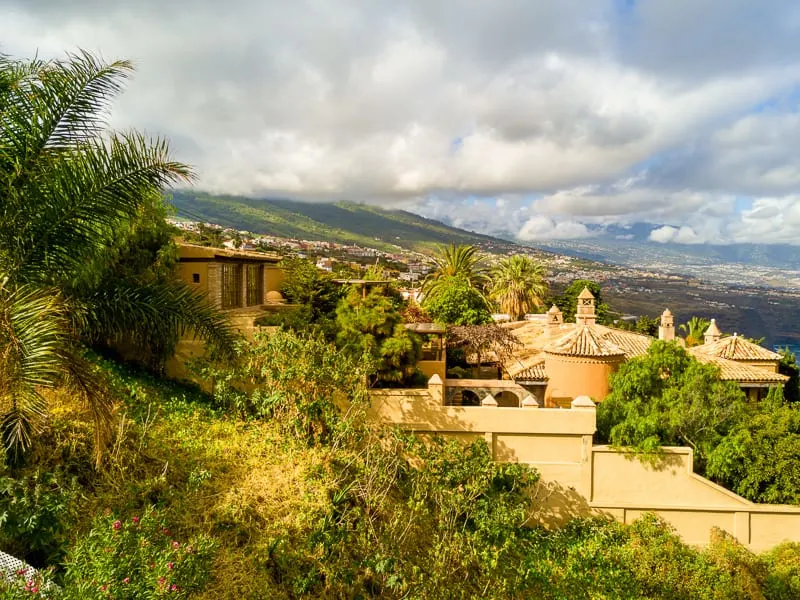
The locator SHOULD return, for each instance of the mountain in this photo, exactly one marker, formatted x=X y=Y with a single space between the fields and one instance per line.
x=341 y=222
x=631 y=245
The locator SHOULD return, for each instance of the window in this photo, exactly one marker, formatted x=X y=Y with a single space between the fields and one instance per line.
x=195 y=277
x=231 y=285
x=255 y=285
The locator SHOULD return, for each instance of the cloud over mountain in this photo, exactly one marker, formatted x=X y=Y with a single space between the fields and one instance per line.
x=573 y=113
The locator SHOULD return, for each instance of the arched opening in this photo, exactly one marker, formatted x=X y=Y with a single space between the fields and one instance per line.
x=469 y=398
x=507 y=399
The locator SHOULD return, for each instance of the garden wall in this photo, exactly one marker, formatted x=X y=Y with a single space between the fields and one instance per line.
x=579 y=479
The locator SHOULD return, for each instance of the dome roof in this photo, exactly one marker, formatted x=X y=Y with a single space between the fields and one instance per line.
x=274 y=296
x=584 y=340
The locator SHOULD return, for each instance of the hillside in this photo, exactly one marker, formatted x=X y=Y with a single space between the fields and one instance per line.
x=341 y=222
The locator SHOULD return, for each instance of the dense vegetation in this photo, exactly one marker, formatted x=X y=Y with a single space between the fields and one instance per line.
x=279 y=493
x=668 y=398
x=83 y=253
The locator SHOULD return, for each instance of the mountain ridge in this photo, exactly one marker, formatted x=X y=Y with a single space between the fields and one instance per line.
x=342 y=222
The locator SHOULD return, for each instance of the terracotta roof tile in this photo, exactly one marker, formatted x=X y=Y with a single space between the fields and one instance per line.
x=733 y=371
x=584 y=340
x=736 y=348
x=535 y=372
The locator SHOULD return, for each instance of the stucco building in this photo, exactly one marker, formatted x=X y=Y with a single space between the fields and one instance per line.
x=233 y=279
x=559 y=361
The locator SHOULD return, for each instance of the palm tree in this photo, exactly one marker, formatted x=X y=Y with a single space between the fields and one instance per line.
x=455 y=262
x=694 y=330
x=70 y=189
x=518 y=285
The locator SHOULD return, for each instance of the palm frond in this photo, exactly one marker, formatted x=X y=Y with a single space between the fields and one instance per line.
x=33 y=333
x=151 y=316
x=86 y=194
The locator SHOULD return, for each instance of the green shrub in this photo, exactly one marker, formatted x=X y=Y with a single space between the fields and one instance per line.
x=32 y=516
x=136 y=558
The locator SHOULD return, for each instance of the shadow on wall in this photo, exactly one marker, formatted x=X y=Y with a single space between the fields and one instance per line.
x=555 y=504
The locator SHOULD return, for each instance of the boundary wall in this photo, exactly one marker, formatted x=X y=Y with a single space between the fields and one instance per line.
x=580 y=479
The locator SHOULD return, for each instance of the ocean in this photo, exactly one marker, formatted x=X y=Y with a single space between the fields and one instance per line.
x=795 y=348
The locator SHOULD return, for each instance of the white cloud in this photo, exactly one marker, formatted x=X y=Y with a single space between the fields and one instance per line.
x=541 y=228
x=594 y=112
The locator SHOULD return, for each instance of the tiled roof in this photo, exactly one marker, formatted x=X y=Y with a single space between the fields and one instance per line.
x=632 y=344
x=584 y=340
x=535 y=372
x=517 y=364
x=736 y=348
x=734 y=371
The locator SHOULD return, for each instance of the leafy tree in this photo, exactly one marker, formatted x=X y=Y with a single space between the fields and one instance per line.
x=373 y=327
x=518 y=285
x=758 y=458
x=668 y=398
x=788 y=366
x=647 y=325
x=69 y=189
x=457 y=303
x=461 y=262
x=567 y=302
x=314 y=291
x=694 y=330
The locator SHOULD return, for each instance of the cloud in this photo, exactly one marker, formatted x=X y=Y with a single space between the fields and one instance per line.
x=577 y=111
x=677 y=235
x=540 y=228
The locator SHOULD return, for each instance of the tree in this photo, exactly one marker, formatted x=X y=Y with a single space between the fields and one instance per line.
x=668 y=398
x=567 y=302
x=518 y=285
x=647 y=325
x=372 y=327
x=694 y=330
x=462 y=262
x=70 y=190
x=457 y=303
x=758 y=458
x=788 y=366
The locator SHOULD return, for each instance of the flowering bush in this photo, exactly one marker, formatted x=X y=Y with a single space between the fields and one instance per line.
x=25 y=583
x=137 y=557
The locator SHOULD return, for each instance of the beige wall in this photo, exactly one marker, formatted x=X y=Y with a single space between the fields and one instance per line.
x=187 y=269
x=273 y=277
x=571 y=377
x=430 y=368
x=579 y=479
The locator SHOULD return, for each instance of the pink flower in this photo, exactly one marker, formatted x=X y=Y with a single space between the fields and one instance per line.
x=34 y=590
x=117 y=525
x=103 y=588
x=126 y=580
x=165 y=531
x=161 y=581
x=135 y=520
x=173 y=587
x=175 y=545
x=170 y=565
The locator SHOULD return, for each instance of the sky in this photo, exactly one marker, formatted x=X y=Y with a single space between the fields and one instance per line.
x=536 y=119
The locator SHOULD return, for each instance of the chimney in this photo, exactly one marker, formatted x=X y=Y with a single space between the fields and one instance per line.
x=666 y=331
x=713 y=334
x=555 y=319
x=584 y=312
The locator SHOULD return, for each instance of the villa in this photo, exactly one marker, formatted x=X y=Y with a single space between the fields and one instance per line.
x=559 y=361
